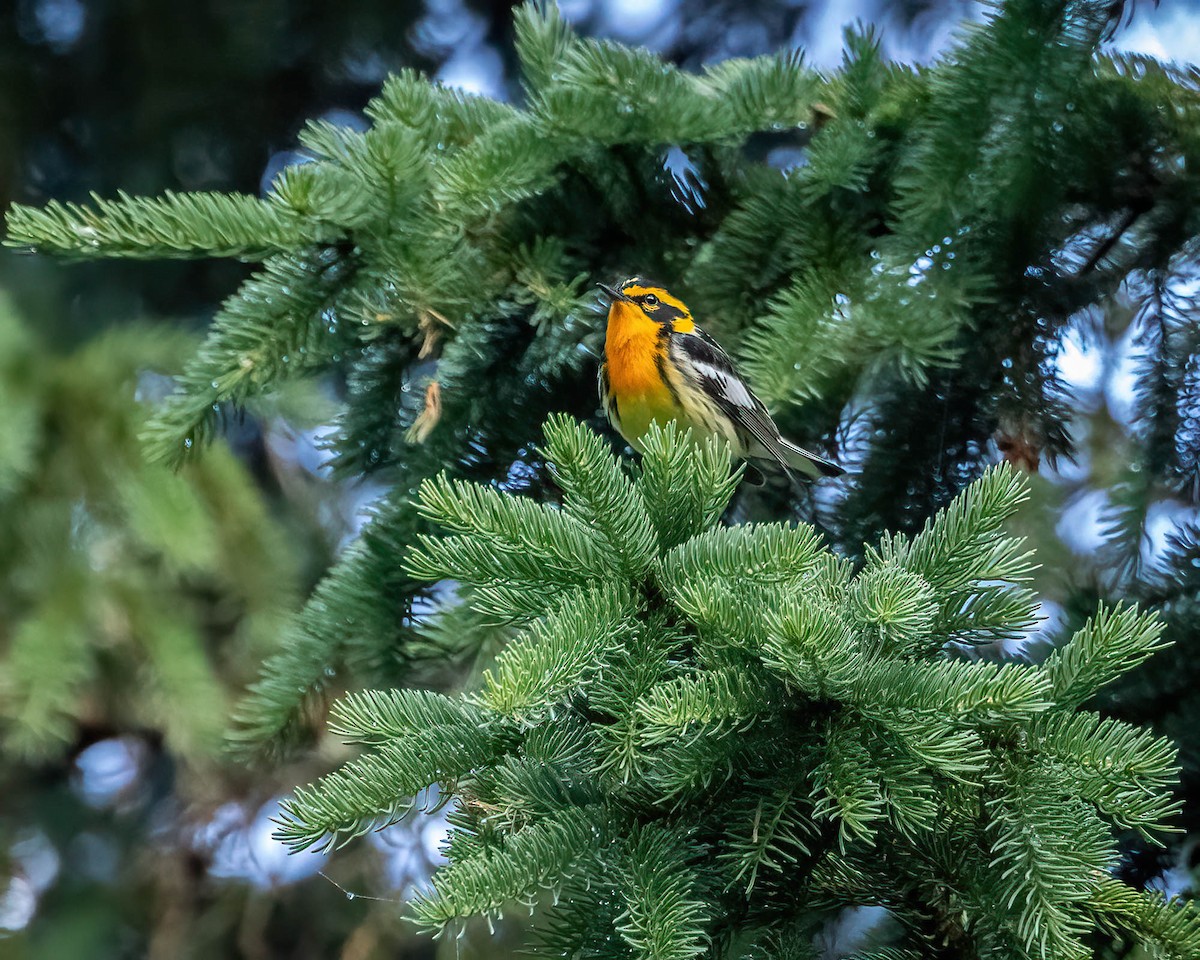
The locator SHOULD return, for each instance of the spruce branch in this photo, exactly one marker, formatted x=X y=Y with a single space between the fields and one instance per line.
x=984 y=693
x=323 y=192
x=352 y=612
x=707 y=692
x=558 y=652
x=611 y=94
x=725 y=694
x=846 y=786
x=753 y=553
x=663 y=920
x=365 y=178
x=705 y=763
x=1048 y=859
x=727 y=615
x=914 y=796
x=597 y=491
x=1170 y=930
x=437 y=113
x=1109 y=644
x=802 y=328
x=374 y=717
x=685 y=490
x=512 y=524
x=538 y=857
x=184 y=684
x=505 y=540
x=841 y=158
x=771 y=836
x=898 y=605
x=792 y=941
x=45 y=666
x=1127 y=773
x=965 y=544
x=543 y=39
x=283 y=322
x=773 y=92
x=378 y=788
x=174 y=225
x=551 y=770
x=811 y=645
x=514 y=160
x=937 y=744
x=582 y=923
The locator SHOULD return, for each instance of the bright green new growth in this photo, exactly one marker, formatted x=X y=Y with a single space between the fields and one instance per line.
x=706 y=740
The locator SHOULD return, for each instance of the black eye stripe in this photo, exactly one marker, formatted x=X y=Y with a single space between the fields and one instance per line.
x=654 y=306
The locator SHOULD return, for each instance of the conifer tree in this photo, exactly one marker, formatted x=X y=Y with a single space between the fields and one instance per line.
x=706 y=738
x=902 y=292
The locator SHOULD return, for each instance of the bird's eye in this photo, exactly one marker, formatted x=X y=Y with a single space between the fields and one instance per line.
x=650 y=300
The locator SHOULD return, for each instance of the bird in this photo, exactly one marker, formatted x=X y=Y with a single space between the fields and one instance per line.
x=660 y=366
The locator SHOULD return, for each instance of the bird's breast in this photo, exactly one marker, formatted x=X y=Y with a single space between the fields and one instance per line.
x=635 y=350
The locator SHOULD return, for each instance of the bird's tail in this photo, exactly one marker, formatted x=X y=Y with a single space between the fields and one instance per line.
x=805 y=461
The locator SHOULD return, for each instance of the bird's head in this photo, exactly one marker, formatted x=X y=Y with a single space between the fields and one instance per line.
x=652 y=299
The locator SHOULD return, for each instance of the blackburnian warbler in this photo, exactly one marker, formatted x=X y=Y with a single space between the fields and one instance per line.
x=659 y=366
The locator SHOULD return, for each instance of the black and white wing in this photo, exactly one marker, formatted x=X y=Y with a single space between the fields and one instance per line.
x=715 y=374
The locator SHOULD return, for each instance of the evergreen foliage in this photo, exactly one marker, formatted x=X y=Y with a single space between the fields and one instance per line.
x=904 y=289
x=926 y=256
x=120 y=576
x=690 y=747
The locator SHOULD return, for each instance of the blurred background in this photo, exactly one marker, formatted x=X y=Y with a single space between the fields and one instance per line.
x=125 y=830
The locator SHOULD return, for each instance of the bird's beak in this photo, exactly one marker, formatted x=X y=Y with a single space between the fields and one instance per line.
x=613 y=294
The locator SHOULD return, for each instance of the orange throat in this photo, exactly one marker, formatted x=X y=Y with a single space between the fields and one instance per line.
x=631 y=347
